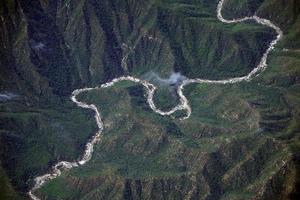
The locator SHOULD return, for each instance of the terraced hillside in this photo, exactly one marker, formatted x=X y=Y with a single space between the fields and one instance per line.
x=241 y=141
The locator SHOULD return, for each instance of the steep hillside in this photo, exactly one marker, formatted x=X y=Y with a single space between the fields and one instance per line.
x=222 y=151
x=241 y=141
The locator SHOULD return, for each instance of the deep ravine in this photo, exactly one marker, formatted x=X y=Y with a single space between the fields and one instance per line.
x=150 y=90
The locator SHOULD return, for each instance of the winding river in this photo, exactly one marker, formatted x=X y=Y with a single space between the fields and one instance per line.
x=150 y=90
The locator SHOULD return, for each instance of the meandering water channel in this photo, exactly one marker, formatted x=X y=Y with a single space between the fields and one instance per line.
x=150 y=90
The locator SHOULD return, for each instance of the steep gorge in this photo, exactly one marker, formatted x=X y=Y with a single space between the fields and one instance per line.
x=52 y=47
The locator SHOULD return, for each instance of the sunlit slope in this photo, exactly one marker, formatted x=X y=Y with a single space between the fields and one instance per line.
x=204 y=47
x=232 y=126
x=240 y=142
x=227 y=149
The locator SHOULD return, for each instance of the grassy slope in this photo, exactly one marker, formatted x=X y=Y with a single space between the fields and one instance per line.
x=34 y=138
x=6 y=189
x=225 y=111
x=136 y=142
x=229 y=108
x=267 y=107
x=197 y=37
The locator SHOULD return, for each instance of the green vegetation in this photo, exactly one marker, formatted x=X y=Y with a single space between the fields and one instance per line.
x=245 y=127
x=6 y=190
x=241 y=141
x=196 y=42
x=166 y=97
x=138 y=144
x=35 y=138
